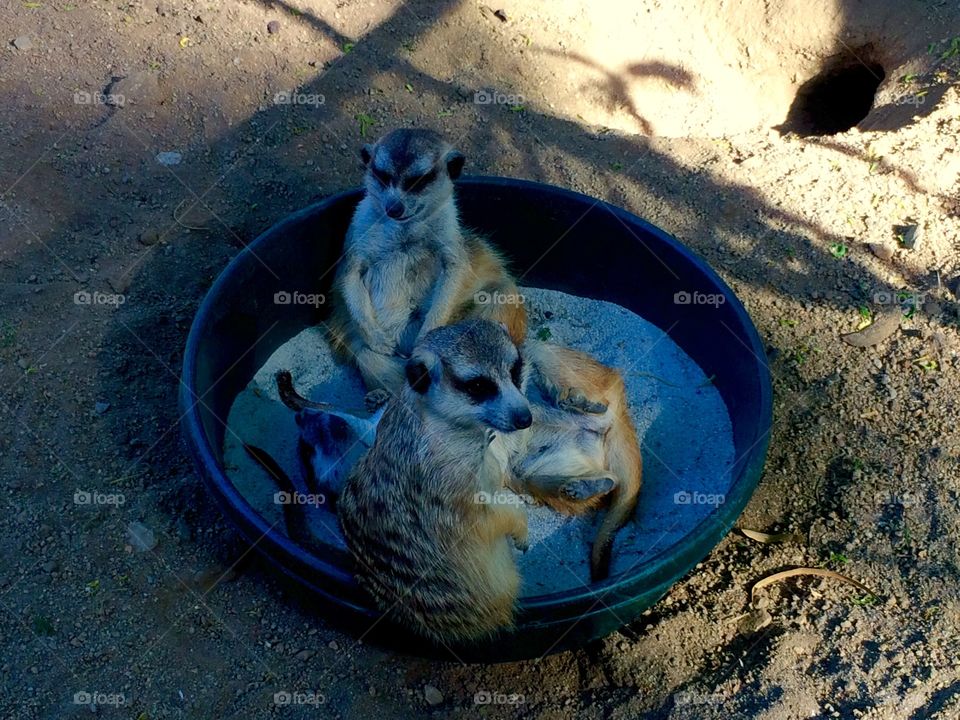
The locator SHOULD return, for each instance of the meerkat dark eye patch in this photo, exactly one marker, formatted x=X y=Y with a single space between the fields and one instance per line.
x=516 y=371
x=455 y=162
x=382 y=177
x=418 y=376
x=478 y=389
x=416 y=183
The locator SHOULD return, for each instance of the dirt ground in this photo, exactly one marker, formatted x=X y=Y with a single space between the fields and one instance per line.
x=144 y=144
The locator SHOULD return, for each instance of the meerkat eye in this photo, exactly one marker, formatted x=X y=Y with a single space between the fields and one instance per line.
x=516 y=371
x=418 y=182
x=382 y=177
x=478 y=389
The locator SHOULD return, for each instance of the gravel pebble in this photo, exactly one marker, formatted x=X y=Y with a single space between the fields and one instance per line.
x=432 y=695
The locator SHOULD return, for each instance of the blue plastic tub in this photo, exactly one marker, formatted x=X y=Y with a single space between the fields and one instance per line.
x=553 y=238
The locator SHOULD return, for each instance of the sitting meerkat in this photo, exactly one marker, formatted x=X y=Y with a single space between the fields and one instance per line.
x=429 y=553
x=408 y=264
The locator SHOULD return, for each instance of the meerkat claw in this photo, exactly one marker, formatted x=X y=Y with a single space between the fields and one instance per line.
x=575 y=401
x=376 y=399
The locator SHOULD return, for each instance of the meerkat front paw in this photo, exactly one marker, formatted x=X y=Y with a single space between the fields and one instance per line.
x=521 y=543
x=573 y=400
x=376 y=399
x=581 y=489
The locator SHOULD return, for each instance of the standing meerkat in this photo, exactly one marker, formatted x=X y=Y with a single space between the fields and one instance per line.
x=408 y=265
x=428 y=551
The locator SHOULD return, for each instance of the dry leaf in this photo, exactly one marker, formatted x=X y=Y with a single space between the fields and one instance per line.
x=819 y=572
x=876 y=332
x=767 y=538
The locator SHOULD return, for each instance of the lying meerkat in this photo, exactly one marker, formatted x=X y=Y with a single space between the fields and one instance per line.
x=408 y=264
x=582 y=450
x=578 y=454
x=427 y=551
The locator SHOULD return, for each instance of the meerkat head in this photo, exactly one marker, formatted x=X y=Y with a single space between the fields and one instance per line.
x=469 y=374
x=410 y=173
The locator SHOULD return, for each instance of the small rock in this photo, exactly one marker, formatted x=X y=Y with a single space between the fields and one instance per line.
x=51 y=566
x=169 y=157
x=149 y=237
x=101 y=407
x=23 y=43
x=931 y=307
x=881 y=250
x=141 y=537
x=273 y=27
x=333 y=645
x=432 y=695
x=754 y=621
x=304 y=655
x=33 y=279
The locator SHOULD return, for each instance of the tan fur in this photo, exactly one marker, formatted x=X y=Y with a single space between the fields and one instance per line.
x=579 y=445
x=485 y=272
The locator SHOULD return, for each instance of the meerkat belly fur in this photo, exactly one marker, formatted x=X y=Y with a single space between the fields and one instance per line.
x=430 y=553
x=408 y=264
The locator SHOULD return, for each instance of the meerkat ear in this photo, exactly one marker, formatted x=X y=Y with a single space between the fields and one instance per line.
x=419 y=370
x=366 y=153
x=455 y=161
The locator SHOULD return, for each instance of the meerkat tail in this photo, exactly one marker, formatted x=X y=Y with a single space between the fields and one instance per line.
x=296 y=402
x=291 y=398
x=490 y=291
x=294 y=514
x=624 y=462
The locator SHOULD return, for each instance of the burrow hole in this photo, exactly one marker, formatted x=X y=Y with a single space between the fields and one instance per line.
x=838 y=97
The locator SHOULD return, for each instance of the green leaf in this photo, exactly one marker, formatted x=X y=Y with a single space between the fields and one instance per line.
x=838 y=250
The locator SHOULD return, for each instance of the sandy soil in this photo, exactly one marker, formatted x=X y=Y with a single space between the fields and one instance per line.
x=105 y=253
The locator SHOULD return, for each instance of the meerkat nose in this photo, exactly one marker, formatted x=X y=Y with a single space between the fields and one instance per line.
x=522 y=419
x=394 y=209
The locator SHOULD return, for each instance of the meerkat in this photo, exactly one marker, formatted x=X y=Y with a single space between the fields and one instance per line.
x=408 y=264
x=581 y=451
x=578 y=455
x=429 y=553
